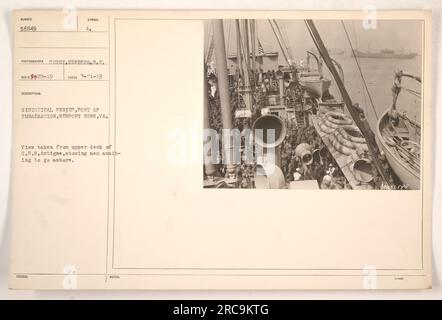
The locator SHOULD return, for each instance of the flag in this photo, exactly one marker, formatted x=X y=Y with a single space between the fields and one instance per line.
x=260 y=49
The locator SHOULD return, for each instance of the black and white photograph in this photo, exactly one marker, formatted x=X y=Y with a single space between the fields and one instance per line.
x=313 y=104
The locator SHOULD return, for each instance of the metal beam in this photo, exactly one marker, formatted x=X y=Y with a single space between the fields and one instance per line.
x=223 y=88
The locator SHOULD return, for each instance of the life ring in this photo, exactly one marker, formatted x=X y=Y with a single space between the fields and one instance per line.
x=330 y=124
x=339 y=118
x=355 y=156
x=351 y=132
x=361 y=149
x=326 y=129
x=339 y=147
x=343 y=139
x=321 y=114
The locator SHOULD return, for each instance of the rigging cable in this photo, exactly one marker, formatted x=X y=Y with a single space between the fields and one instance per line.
x=209 y=42
x=279 y=42
x=206 y=39
x=360 y=71
x=243 y=49
x=413 y=92
x=357 y=49
x=228 y=38
x=285 y=33
x=248 y=70
x=282 y=39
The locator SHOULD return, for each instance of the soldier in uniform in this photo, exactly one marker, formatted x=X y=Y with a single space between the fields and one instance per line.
x=284 y=161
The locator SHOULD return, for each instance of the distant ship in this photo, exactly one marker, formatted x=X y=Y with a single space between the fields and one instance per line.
x=384 y=54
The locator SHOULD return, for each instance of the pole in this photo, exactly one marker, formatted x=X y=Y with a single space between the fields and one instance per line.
x=253 y=43
x=209 y=167
x=223 y=87
x=248 y=99
x=238 y=48
x=356 y=114
x=246 y=44
x=281 y=91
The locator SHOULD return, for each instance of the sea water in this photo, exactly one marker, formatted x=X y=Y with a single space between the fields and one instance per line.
x=379 y=77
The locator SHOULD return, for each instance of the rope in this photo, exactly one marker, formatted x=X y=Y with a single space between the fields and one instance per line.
x=285 y=34
x=360 y=71
x=279 y=42
x=209 y=43
x=357 y=48
x=243 y=48
x=282 y=39
x=414 y=92
x=228 y=38
x=248 y=69
x=208 y=40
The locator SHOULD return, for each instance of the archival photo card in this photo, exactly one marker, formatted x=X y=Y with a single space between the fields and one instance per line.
x=126 y=121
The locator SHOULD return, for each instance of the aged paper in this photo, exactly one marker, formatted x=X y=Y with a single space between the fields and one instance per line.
x=113 y=187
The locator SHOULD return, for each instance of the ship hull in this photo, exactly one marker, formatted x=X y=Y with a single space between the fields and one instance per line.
x=409 y=177
x=385 y=56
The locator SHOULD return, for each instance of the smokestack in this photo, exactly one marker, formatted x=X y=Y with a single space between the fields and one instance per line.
x=268 y=174
x=270 y=140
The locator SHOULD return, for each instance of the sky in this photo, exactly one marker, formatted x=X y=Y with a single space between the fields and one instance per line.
x=398 y=35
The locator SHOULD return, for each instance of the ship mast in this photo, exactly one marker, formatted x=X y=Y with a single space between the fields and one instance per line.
x=356 y=113
x=224 y=94
x=238 y=48
x=253 y=44
x=245 y=42
x=209 y=167
x=244 y=66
